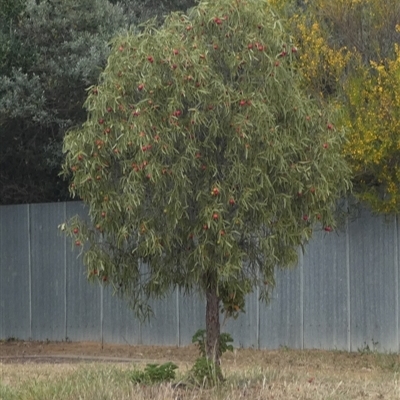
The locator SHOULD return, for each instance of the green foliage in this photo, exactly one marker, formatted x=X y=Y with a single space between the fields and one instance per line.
x=348 y=54
x=205 y=373
x=373 y=122
x=155 y=373
x=10 y=10
x=233 y=302
x=49 y=53
x=200 y=339
x=11 y=49
x=139 y=11
x=365 y=27
x=202 y=161
x=202 y=157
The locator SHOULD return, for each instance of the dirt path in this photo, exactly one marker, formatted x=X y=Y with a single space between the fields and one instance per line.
x=71 y=352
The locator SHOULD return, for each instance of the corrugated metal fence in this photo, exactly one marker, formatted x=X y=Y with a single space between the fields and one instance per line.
x=344 y=294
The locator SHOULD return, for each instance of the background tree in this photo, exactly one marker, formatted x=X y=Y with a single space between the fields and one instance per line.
x=50 y=52
x=349 y=58
x=140 y=11
x=202 y=158
x=10 y=48
x=373 y=120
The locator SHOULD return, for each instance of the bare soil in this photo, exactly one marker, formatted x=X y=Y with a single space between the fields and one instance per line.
x=70 y=352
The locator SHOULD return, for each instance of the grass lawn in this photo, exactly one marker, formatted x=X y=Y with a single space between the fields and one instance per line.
x=250 y=374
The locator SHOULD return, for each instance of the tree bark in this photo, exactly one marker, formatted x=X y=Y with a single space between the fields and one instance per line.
x=212 y=323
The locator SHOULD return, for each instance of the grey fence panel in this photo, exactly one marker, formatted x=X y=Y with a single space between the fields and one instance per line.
x=192 y=316
x=326 y=313
x=343 y=294
x=83 y=303
x=83 y=298
x=48 y=272
x=373 y=282
x=281 y=320
x=245 y=329
x=14 y=272
x=162 y=329
x=119 y=323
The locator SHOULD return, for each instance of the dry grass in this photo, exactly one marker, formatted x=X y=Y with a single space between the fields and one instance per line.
x=250 y=374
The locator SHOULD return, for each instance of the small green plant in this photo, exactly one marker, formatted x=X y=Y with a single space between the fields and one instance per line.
x=205 y=372
x=366 y=349
x=155 y=373
x=224 y=342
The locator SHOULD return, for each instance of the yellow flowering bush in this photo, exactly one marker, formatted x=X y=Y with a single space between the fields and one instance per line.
x=322 y=62
x=348 y=57
x=373 y=121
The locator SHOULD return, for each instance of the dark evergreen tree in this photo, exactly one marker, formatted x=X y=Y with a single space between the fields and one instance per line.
x=50 y=52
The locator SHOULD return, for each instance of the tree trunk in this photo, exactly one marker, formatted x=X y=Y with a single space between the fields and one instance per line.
x=212 y=323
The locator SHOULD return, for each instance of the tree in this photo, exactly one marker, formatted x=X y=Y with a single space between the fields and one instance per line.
x=349 y=57
x=373 y=120
x=10 y=48
x=202 y=158
x=50 y=51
